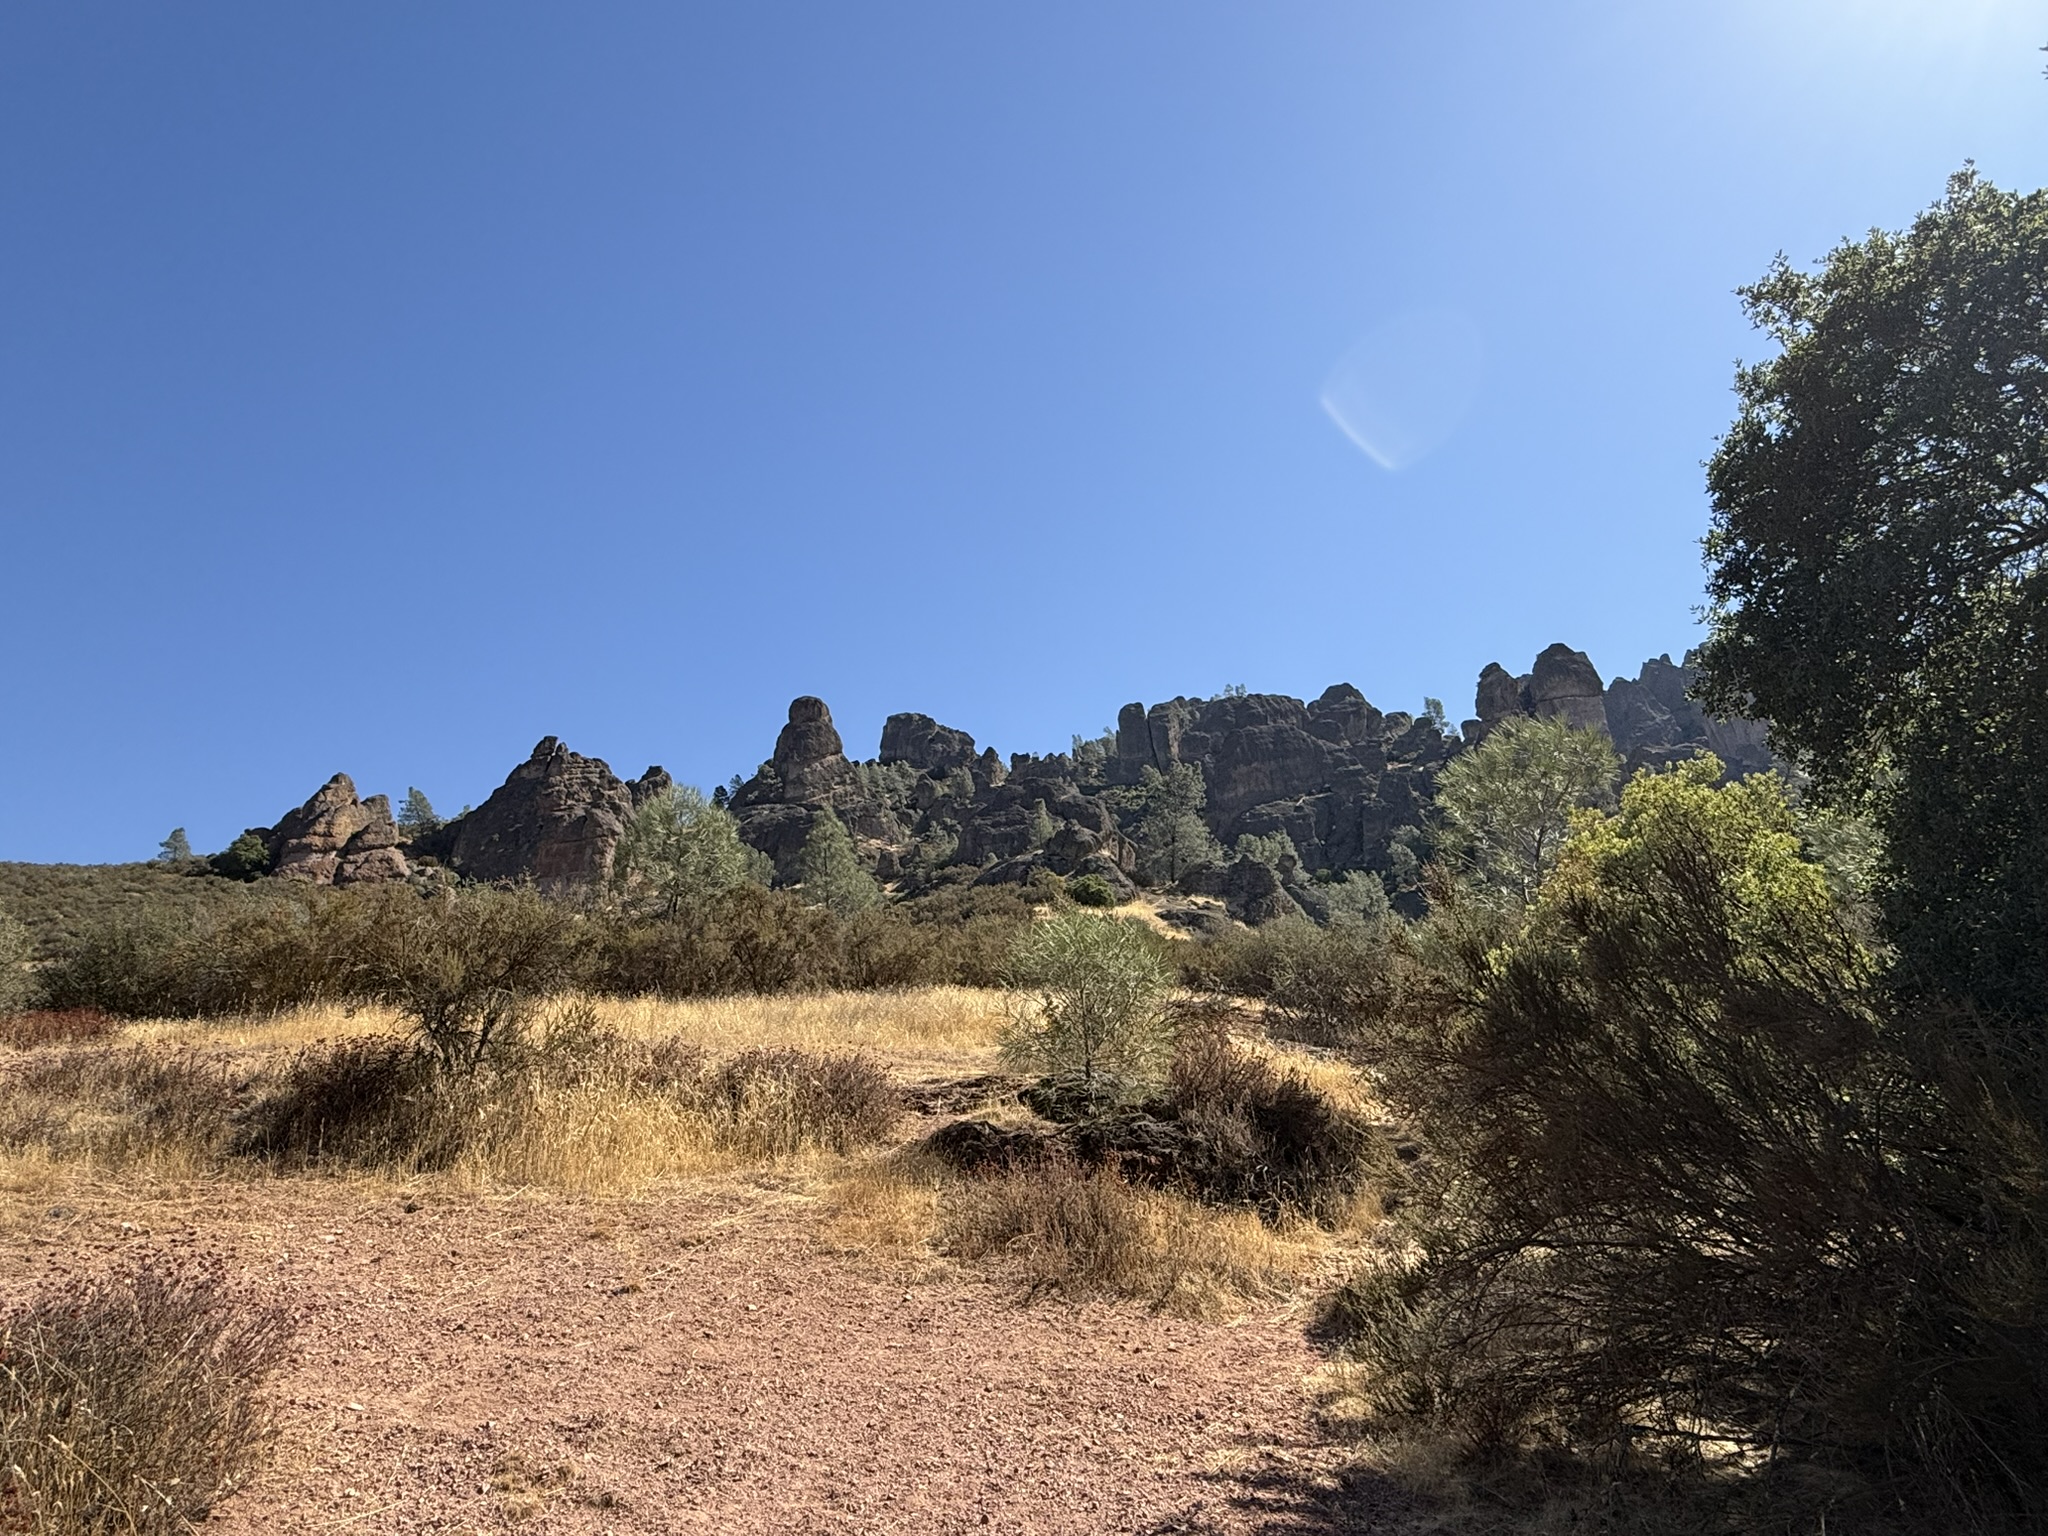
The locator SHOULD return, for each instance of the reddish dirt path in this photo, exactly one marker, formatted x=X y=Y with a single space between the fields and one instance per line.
x=704 y=1363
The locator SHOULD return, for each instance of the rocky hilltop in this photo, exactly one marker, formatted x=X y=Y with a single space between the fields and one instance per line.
x=1347 y=784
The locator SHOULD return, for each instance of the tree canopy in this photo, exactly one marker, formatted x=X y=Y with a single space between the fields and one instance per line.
x=1507 y=804
x=1880 y=516
x=679 y=849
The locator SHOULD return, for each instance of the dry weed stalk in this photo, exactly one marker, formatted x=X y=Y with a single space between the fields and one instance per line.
x=130 y=1403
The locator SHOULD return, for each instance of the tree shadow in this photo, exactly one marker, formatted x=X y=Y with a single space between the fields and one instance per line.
x=1285 y=1499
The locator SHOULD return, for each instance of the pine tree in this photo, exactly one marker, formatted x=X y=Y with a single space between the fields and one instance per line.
x=1170 y=832
x=831 y=869
x=417 y=813
x=1042 y=824
x=176 y=848
x=679 y=849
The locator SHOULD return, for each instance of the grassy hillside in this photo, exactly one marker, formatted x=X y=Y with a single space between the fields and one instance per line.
x=58 y=901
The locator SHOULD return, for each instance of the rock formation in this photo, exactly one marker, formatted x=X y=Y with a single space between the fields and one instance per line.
x=1351 y=787
x=555 y=821
x=809 y=774
x=1654 y=720
x=337 y=839
x=923 y=743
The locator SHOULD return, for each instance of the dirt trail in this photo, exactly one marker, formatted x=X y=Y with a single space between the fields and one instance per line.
x=705 y=1363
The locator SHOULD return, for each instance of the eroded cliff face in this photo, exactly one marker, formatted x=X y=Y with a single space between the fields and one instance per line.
x=336 y=838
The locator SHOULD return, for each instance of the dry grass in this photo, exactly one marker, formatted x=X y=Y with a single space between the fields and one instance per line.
x=130 y=1403
x=938 y=1027
x=1077 y=1233
x=1085 y=1232
x=934 y=1028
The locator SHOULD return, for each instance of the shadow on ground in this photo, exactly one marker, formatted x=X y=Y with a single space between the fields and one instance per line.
x=1291 y=1500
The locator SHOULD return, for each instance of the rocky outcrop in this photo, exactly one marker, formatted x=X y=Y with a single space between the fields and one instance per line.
x=1565 y=685
x=555 y=821
x=336 y=838
x=923 y=743
x=810 y=774
x=1654 y=720
x=1253 y=891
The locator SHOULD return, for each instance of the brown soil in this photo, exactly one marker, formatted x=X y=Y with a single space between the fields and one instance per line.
x=706 y=1362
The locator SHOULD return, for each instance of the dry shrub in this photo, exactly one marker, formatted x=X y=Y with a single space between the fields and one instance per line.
x=751 y=940
x=573 y=1107
x=776 y=1102
x=130 y=1403
x=373 y=1103
x=1276 y=1141
x=118 y=1107
x=55 y=1026
x=1320 y=984
x=1078 y=1232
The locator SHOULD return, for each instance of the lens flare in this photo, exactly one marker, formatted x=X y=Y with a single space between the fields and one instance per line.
x=1401 y=391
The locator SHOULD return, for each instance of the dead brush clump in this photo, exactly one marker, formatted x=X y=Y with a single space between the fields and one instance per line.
x=370 y=1103
x=117 y=1107
x=54 y=1026
x=1276 y=1141
x=573 y=1106
x=131 y=1402
x=1078 y=1232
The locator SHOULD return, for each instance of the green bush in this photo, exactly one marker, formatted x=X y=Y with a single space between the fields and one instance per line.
x=1690 y=1176
x=246 y=858
x=1091 y=891
x=1088 y=995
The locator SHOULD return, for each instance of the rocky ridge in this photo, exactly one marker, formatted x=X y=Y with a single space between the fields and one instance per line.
x=1348 y=785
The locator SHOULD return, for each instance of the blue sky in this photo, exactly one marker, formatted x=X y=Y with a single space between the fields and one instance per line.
x=383 y=387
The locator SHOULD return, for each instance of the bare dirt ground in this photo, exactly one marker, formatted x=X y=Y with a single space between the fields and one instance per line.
x=707 y=1361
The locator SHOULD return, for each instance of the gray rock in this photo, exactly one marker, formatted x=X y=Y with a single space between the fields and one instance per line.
x=337 y=839
x=1566 y=686
x=922 y=742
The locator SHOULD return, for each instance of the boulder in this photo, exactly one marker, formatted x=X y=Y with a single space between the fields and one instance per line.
x=810 y=760
x=1565 y=686
x=1500 y=695
x=555 y=821
x=922 y=742
x=1342 y=715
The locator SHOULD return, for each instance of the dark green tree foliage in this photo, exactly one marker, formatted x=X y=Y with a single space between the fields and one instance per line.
x=832 y=874
x=1880 y=519
x=417 y=813
x=1168 y=827
x=176 y=848
x=246 y=858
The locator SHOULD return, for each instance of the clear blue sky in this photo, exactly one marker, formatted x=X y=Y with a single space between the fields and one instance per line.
x=385 y=386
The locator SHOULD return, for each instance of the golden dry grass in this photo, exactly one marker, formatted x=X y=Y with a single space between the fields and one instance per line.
x=932 y=1027
x=1078 y=1233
